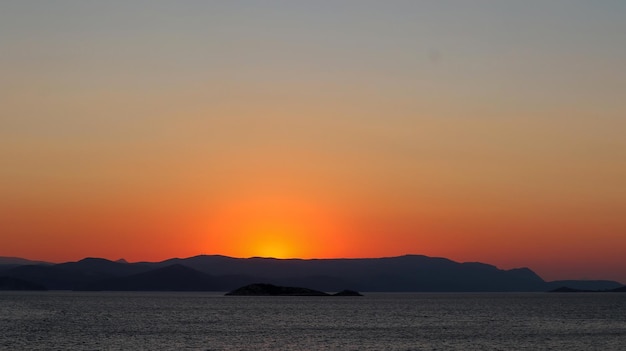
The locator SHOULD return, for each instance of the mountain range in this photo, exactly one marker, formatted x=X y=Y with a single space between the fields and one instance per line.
x=409 y=273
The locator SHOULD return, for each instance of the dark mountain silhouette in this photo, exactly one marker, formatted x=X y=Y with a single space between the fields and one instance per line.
x=53 y=277
x=404 y=273
x=10 y=283
x=7 y=263
x=97 y=266
x=18 y=261
x=584 y=284
x=566 y=289
x=222 y=273
x=73 y=275
x=171 y=278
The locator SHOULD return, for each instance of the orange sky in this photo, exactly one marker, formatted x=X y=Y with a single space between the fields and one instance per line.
x=316 y=130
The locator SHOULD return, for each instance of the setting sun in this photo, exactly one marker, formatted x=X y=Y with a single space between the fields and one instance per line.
x=273 y=239
x=274 y=226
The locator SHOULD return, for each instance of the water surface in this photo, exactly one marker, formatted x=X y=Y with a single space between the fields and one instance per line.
x=378 y=321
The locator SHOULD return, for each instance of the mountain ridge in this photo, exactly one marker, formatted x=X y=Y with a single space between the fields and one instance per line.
x=405 y=273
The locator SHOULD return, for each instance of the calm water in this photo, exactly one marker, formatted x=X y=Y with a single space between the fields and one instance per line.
x=208 y=321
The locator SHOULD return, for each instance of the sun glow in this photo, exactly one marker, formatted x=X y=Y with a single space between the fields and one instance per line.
x=277 y=239
x=274 y=227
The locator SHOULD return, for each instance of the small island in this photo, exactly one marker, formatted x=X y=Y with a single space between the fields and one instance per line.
x=347 y=293
x=261 y=289
x=565 y=289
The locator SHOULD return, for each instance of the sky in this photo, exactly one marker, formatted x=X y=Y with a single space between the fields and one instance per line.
x=488 y=131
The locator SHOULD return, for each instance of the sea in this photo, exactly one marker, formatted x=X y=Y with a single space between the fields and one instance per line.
x=58 y=320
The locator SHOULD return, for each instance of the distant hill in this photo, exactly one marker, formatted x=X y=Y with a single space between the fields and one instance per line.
x=96 y=266
x=404 y=273
x=584 y=284
x=10 y=283
x=19 y=261
x=221 y=273
x=566 y=289
x=170 y=278
x=73 y=275
x=7 y=263
x=54 y=277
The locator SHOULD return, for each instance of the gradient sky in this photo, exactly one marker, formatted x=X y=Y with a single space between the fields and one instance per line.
x=487 y=131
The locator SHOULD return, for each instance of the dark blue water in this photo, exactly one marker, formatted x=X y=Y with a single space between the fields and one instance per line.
x=208 y=321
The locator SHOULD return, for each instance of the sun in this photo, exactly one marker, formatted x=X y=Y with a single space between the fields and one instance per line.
x=277 y=227
x=275 y=239
x=274 y=249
